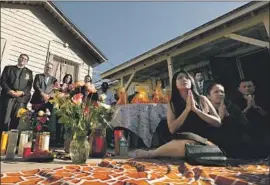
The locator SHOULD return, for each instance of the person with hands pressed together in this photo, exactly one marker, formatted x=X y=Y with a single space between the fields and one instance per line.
x=191 y=118
x=16 y=82
x=235 y=134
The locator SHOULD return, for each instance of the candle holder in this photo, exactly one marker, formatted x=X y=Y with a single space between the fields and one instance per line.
x=12 y=144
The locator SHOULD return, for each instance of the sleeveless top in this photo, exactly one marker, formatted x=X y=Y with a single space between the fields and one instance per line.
x=196 y=125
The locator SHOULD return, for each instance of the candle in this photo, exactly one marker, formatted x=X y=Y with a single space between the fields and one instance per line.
x=12 y=144
x=4 y=139
x=46 y=141
x=23 y=140
x=27 y=150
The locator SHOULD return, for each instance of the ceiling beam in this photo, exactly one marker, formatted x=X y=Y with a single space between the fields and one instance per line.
x=248 y=40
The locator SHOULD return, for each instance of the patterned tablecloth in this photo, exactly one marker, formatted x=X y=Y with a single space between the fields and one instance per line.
x=141 y=119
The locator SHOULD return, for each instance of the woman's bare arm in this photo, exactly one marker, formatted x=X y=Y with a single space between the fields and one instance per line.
x=175 y=123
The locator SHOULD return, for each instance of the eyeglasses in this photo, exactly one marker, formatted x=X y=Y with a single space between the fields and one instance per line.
x=24 y=58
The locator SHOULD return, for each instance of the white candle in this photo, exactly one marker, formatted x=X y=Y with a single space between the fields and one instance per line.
x=46 y=141
x=23 y=141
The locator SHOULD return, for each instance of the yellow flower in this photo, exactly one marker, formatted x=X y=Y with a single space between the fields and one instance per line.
x=41 y=113
x=21 y=112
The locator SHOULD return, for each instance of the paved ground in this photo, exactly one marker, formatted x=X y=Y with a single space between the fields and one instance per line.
x=18 y=163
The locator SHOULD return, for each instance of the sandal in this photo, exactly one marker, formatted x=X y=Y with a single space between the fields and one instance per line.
x=141 y=154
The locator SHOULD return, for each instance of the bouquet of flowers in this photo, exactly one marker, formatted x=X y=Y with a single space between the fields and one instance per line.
x=30 y=120
x=79 y=114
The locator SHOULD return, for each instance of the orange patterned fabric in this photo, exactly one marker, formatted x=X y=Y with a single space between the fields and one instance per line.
x=140 y=173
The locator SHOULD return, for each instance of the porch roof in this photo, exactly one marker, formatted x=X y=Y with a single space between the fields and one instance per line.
x=208 y=40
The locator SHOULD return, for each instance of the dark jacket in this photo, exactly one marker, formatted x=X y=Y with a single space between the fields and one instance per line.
x=40 y=86
x=10 y=81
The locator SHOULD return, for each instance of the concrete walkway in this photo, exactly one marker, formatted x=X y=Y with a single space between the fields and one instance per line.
x=18 y=164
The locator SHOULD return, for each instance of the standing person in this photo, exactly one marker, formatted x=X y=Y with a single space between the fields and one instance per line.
x=67 y=81
x=199 y=79
x=106 y=96
x=88 y=90
x=43 y=86
x=16 y=82
x=60 y=130
x=191 y=119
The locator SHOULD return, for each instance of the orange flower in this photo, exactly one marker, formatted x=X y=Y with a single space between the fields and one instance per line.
x=77 y=98
x=90 y=88
x=79 y=83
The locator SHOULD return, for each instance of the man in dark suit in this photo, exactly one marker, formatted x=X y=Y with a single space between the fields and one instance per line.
x=43 y=86
x=16 y=82
x=201 y=84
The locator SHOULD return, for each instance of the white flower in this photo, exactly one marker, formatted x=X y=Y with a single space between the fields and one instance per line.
x=108 y=107
x=102 y=97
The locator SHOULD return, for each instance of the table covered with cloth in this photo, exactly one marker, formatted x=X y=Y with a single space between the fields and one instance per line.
x=141 y=119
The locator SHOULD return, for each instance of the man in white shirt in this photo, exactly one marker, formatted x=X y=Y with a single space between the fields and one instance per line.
x=106 y=96
x=199 y=79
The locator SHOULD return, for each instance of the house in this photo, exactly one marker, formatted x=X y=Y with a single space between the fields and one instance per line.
x=40 y=30
x=229 y=48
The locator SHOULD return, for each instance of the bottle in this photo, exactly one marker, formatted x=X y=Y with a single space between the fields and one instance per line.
x=123 y=146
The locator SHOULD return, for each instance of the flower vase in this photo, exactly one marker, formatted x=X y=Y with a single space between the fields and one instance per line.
x=98 y=143
x=79 y=150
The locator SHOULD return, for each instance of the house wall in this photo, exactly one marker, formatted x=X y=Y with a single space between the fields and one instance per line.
x=34 y=31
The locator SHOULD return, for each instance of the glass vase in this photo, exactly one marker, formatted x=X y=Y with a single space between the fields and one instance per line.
x=98 y=143
x=79 y=150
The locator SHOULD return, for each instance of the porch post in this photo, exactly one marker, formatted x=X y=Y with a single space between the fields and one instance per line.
x=170 y=69
x=122 y=81
x=266 y=25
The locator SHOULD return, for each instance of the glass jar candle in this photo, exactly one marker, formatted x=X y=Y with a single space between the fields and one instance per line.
x=12 y=144
x=23 y=140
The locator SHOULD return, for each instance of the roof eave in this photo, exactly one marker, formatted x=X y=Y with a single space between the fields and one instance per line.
x=59 y=14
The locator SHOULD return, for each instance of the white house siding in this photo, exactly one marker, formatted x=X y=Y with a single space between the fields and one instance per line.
x=29 y=29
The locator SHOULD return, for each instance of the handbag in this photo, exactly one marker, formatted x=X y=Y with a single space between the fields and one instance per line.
x=208 y=155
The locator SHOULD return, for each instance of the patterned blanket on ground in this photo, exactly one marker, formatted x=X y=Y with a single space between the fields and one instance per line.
x=134 y=172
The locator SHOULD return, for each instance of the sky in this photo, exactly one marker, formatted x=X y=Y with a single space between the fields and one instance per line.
x=124 y=30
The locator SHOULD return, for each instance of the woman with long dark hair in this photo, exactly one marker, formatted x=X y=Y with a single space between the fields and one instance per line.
x=67 y=81
x=191 y=118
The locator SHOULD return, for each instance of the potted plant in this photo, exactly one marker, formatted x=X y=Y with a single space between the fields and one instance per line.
x=79 y=116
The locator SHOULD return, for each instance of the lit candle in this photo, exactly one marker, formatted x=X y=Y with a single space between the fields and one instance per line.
x=4 y=139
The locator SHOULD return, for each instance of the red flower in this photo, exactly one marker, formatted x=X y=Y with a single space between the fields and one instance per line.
x=95 y=104
x=77 y=98
x=38 y=127
x=86 y=110
x=43 y=119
